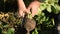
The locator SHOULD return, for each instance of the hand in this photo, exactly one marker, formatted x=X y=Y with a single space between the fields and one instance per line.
x=22 y=8
x=34 y=7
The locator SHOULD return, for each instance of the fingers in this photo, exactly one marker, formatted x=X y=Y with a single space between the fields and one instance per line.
x=21 y=13
x=34 y=6
x=34 y=11
x=28 y=9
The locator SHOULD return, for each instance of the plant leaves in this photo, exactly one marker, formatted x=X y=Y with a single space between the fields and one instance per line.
x=42 y=6
x=49 y=8
x=10 y=31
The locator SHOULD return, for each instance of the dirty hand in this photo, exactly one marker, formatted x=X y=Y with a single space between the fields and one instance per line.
x=34 y=7
x=22 y=8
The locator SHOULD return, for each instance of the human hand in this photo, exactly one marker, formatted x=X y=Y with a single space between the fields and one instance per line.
x=22 y=8
x=34 y=7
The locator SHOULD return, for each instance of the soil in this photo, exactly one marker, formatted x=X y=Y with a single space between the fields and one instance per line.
x=27 y=25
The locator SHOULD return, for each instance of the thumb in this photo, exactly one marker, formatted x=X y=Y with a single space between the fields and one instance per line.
x=23 y=14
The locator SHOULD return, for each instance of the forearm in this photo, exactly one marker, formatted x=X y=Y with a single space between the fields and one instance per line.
x=21 y=4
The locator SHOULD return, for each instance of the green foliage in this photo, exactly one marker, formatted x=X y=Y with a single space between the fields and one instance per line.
x=8 y=21
x=10 y=31
x=35 y=32
x=48 y=4
x=41 y=18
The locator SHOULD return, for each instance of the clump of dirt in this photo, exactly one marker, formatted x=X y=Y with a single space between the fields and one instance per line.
x=29 y=24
